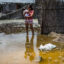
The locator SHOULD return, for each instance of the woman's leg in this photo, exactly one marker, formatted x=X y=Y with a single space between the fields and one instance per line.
x=26 y=24
x=32 y=29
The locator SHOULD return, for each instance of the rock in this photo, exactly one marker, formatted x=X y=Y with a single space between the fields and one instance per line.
x=59 y=39
x=15 y=27
x=54 y=34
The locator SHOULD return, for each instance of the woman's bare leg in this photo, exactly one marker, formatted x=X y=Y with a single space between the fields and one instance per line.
x=26 y=24
x=32 y=29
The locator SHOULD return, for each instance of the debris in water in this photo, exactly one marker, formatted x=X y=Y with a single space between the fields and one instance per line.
x=47 y=47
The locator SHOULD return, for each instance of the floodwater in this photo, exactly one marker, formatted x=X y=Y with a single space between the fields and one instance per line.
x=20 y=48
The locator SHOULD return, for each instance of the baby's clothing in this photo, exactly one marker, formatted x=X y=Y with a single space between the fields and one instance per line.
x=26 y=15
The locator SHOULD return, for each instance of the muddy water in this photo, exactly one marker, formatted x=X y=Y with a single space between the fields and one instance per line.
x=22 y=49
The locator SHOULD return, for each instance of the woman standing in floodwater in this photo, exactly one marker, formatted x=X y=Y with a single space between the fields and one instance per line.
x=28 y=14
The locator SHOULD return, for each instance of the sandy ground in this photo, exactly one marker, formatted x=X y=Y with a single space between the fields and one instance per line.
x=17 y=20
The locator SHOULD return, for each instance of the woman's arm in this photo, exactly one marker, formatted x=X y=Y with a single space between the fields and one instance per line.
x=31 y=13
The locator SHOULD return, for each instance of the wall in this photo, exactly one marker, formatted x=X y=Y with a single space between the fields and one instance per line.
x=51 y=13
x=11 y=7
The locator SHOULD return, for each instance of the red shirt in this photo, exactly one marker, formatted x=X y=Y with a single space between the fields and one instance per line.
x=31 y=15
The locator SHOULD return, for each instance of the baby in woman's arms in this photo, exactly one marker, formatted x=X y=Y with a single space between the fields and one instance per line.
x=26 y=13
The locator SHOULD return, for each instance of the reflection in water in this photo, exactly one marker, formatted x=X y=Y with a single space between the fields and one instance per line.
x=29 y=48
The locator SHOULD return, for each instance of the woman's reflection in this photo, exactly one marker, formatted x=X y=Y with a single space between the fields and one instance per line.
x=29 y=48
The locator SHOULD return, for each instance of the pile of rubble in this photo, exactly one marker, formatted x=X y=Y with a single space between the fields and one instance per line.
x=57 y=37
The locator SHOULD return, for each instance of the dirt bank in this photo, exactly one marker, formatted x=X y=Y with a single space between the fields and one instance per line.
x=58 y=37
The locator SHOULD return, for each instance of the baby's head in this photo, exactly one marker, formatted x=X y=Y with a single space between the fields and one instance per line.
x=26 y=11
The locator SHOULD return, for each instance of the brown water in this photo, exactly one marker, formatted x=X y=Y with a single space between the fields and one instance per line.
x=22 y=49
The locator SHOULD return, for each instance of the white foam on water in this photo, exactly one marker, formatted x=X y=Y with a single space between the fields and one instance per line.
x=48 y=46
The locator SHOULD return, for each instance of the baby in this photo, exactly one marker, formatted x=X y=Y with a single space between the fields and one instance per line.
x=26 y=13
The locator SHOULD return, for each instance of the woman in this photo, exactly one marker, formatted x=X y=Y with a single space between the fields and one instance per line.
x=29 y=19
